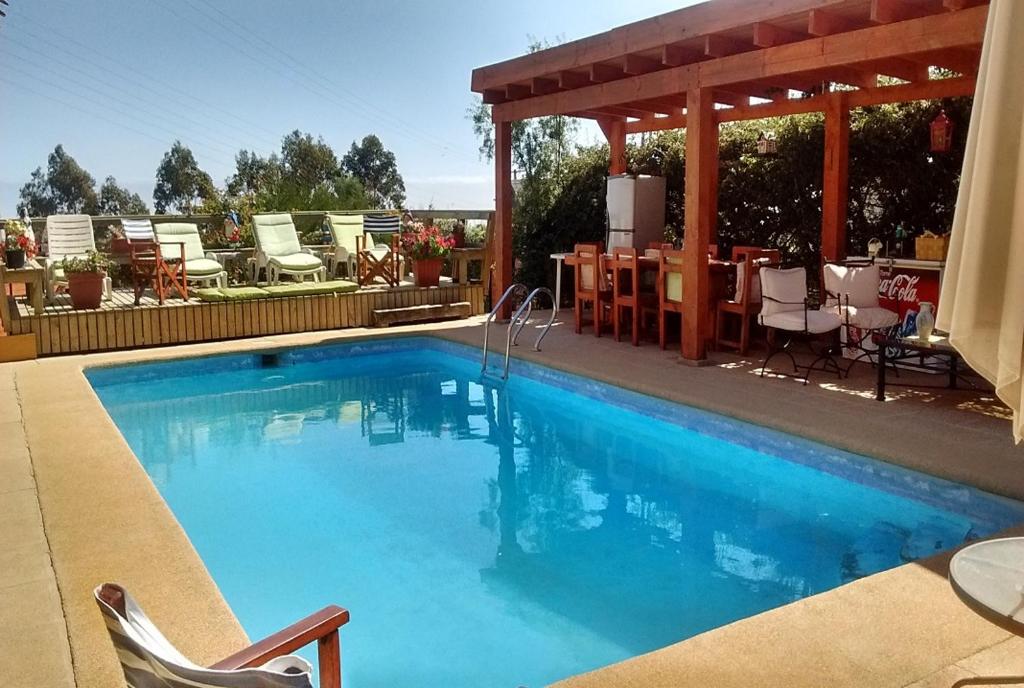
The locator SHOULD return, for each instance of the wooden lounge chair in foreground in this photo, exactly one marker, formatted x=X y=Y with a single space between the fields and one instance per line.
x=150 y=661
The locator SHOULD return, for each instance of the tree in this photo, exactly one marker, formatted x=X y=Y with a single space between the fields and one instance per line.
x=375 y=167
x=306 y=162
x=36 y=197
x=117 y=200
x=180 y=184
x=253 y=174
x=64 y=188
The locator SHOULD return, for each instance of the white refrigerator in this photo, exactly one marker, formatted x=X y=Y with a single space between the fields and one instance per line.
x=636 y=211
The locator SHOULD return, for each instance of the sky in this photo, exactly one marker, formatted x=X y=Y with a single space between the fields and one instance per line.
x=117 y=81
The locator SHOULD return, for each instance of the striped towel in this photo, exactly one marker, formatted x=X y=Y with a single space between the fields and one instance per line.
x=150 y=661
x=381 y=224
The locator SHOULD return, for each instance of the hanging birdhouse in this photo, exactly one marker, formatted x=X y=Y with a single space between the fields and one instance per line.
x=766 y=144
x=942 y=133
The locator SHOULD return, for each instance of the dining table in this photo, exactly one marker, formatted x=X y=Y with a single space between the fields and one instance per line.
x=721 y=273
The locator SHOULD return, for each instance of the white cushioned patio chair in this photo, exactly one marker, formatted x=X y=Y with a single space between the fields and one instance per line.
x=279 y=252
x=851 y=291
x=200 y=266
x=786 y=310
x=149 y=660
x=68 y=236
x=138 y=230
x=345 y=231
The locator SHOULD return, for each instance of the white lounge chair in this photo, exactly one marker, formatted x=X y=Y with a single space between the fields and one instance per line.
x=345 y=231
x=279 y=252
x=786 y=309
x=68 y=236
x=149 y=659
x=200 y=266
x=851 y=292
x=138 y=230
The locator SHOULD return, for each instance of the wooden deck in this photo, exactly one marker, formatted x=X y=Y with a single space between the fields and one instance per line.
x=119 y=324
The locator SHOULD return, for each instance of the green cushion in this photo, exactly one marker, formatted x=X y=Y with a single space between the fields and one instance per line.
x=309 y=288
x=275 y=235
x=345 y=229
x=298 y=261
x=173 y=233
x=202 y=266
x=231 y=294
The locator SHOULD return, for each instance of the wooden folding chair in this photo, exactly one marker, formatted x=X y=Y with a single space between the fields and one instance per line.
x=149 y=267
x=377 y=262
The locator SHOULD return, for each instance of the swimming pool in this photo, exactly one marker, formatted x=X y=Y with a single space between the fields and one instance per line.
x=488 y=534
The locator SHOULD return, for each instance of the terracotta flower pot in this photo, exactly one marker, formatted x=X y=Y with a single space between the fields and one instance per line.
x=86 y=289
x=14 y=258
x=428 y=272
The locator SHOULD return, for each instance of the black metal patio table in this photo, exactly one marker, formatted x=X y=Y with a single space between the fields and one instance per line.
x=934 y=355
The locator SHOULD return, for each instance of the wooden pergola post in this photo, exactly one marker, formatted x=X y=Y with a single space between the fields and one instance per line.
x=835 y=183
x=615 y=131
x=700 y=192
x=502 y=243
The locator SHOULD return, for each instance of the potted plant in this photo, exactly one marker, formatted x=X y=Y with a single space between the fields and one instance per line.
x=85 y=275
x=18 y=244
x=428 y=248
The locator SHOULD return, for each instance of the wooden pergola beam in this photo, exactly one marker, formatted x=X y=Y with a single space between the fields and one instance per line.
x=651 y=34
x=767 y=35
x=963 y=29
x=825 y=23
x=883 y=95
x=889 y=11
x=676 y=55
x=722 y=46
x=638 y=64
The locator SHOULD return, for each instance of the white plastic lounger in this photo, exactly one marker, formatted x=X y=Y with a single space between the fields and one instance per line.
x=279 y=252
x=345 y=230
x=68 y=236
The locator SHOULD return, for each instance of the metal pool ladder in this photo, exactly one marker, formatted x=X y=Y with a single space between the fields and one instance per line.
x=517 y=322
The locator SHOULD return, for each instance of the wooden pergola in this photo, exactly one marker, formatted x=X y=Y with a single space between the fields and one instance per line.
x=725 y=61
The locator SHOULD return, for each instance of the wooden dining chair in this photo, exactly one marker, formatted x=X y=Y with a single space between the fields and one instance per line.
x=746 y=302
x=624 y=266
x=670 y=291
x=659 y=246
x=591 y=285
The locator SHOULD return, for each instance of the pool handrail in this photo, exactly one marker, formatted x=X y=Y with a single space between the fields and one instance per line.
x=517 y=319
x=494 y=312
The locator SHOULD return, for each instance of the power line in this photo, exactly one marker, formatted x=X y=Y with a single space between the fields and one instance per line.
x=311 y=85
x=236 y=122
x=300 y=66
x=134 y=104
x=123 y=116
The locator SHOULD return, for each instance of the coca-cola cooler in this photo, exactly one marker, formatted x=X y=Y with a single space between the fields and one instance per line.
x=904 y=285
x=636 y=211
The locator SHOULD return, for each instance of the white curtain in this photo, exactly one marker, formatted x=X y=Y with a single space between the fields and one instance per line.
x=982 y=301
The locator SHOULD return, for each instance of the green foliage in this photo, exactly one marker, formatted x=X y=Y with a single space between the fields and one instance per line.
x=180 y=184
x=91 y=262
x=64 y=188
x=770 y=201
x=117 y=200
x=375 y=167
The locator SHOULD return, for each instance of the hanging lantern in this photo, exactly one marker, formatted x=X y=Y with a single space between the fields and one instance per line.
x=942 y=133
x=766 y=144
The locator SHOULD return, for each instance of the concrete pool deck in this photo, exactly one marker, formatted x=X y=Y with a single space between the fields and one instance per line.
x=77 y=509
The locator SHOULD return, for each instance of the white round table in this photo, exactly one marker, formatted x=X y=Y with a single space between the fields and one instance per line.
x=989 y=578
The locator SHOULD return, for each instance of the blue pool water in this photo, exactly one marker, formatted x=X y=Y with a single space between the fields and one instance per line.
x=505 y=535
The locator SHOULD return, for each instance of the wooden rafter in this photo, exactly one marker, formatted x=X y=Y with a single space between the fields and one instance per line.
x=767 y=35
x=652 y=34
x=934 y=34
